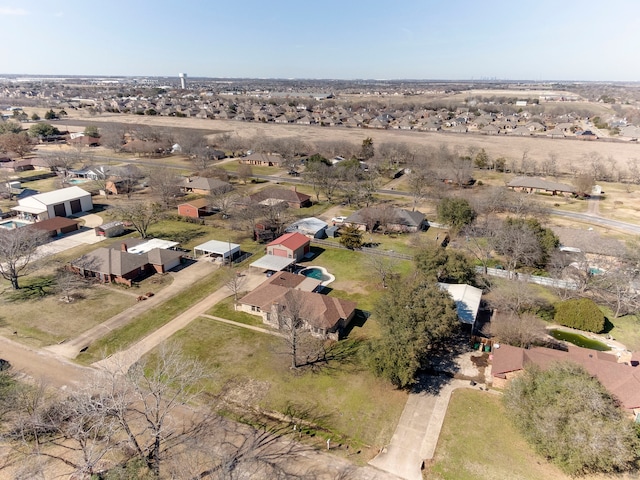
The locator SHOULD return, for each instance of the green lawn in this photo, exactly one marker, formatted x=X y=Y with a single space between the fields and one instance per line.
x=253 y=367
x=224 y=309
x=477 y=442
x=625 y=329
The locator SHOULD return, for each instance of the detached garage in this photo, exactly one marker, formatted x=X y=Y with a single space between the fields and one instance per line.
x=57 y=226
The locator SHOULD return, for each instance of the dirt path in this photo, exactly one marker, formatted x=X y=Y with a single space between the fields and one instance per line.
x=593 y=206
x=182 y=280
x=122 y=360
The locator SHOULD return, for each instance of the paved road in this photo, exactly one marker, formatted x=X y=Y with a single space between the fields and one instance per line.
x=605 y=222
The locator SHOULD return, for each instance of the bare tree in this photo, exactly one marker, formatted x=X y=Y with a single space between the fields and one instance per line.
x=235 y=282
x=517 y=330
x=584 y=183
x=385 y=267
x=141 y=215
x=245 y=172
x=292 y=315
x=147 y=399
x=165 y=184
x=67 y=283
x=129 y=176
x=17 y=251
x=518 y=244
x=112 y=136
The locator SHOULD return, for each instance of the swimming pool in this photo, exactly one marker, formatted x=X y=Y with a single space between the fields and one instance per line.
x=77 y=181
x=319 y=273
x=11 y=224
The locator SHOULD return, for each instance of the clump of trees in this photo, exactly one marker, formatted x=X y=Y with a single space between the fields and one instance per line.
x=580 y=313
x=571 y=419
x=455 y=212
x=442 y=265
x=351 y=237
x=416 y=318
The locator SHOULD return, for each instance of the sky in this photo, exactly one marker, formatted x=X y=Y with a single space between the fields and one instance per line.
x=329 y=39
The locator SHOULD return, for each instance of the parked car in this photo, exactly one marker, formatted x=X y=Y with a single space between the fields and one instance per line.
x=339 y=219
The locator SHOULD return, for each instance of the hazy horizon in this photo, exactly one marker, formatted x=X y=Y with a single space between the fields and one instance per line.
x=328 y=40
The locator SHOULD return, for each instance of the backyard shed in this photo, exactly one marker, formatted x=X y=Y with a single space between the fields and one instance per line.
x=216 y=248
x=110 y=229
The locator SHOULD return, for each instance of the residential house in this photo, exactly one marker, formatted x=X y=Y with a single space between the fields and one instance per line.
x=323 y=316
x=133 y=260
x=58 y=203
x=197 y=208
x=290 y=245
x=388 y=219
x=277 y=195
x=621 y=380
x=205 y=186
x=262 y=159
x=540 y=185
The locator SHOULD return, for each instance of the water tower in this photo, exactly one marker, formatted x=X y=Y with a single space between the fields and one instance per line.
x=183 y=80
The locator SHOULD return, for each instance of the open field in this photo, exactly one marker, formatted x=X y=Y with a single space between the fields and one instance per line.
x=510 y=147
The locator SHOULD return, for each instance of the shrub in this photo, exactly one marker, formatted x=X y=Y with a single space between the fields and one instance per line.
x=570 y=418
x=580 y=313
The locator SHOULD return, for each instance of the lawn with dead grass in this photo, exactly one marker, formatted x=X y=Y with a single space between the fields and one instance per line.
x=40 y=321
x=253 y=368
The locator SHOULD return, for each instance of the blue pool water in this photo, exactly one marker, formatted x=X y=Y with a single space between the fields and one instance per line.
x=315 y=273
x=77 y=181
x=11 y=224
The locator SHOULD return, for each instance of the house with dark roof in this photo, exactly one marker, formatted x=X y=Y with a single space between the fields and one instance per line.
x=323 y=316
x=621 y=380
x=119 y=265
x=205 y=186
x=263 y=159
x=388 y=219
x=276 y=195
x=540 y=185
x=290 y=245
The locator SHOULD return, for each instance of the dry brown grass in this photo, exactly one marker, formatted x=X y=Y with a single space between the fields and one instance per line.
x=538 y=148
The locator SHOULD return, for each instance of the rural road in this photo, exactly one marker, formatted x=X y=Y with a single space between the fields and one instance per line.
x=605 y=222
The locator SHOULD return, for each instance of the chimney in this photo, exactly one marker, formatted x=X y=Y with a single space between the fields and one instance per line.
x=295 y=188
x=123 y=247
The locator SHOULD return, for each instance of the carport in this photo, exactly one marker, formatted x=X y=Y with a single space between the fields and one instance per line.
x=272 y=262
x=216 y=248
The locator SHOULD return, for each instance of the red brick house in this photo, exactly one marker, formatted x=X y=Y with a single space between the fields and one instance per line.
x=194 y=208
x=290 y=245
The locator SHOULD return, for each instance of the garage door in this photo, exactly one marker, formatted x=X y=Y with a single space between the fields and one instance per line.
x=75 y=206
x=59 y=210
x=279 y=252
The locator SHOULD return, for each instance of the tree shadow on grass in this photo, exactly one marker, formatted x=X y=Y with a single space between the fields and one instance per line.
x=32 y=289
